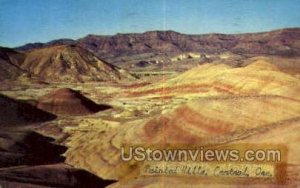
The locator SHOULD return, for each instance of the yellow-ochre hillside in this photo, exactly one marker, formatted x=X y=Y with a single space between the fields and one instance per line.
x=232 y=105
x=258 y=78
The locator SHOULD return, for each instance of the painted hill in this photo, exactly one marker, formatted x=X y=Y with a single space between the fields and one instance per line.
x=260 y=77
x=223 y=105
x=68 y=102
x=69 y=63
x=9 y=64
x=200 y=122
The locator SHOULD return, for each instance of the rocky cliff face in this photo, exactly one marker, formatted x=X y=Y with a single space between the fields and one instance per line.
x=278 y=42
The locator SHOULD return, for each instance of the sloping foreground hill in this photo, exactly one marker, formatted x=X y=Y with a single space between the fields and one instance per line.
x=211 y=121
x=70 y=63
x=229 y=105
x=200 y=122
x=282 y=133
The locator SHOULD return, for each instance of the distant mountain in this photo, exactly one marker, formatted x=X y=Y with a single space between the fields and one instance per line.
x=36 y=45
x=278 y=42
x=70 y=63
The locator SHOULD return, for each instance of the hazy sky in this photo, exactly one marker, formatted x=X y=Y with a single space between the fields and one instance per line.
x=23 y=21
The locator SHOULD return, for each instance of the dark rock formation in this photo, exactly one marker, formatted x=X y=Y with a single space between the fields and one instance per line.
x=14 y=112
